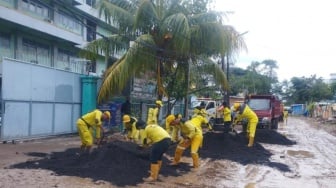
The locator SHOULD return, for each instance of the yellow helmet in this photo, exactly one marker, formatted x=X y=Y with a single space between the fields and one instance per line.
x=236 y=107
x=158 y=102
x=179 y=116
x=126 y=118
x=108 y=114
x=170 y=119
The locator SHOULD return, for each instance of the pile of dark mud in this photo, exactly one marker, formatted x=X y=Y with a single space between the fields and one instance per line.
x=124 y=164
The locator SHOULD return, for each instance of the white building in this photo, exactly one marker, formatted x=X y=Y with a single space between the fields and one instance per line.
x=51 y=33
x=41 y=73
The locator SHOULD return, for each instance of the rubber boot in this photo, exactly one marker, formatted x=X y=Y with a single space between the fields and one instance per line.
x=177 y=157
x=160 y=164
x=153 y=174
x=195 y=159
x=251 y=141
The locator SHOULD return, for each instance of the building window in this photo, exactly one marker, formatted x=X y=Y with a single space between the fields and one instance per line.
x=34 y=52
x=63 y=60
x=4 y=41
x=5 y=47
x=91 y=31
x=34 y=7
x=67 y=22
x=91 y=3
x=68 y=61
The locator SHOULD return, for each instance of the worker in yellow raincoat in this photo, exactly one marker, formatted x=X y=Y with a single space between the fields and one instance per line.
x=200 y=119
x=160 y=140
x=226 y=116
x=243 y=111
x=153 y=113
x=192 y=136
x=172 y=119
x=285 y=116
x=130 y=128
x=90 y=120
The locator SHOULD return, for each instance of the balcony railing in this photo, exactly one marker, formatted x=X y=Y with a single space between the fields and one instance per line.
x=76 y=65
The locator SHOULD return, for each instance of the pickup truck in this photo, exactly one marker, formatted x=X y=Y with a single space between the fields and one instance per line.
x=214 y=117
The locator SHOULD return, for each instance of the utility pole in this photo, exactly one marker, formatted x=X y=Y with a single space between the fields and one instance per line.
x=227 y=77
x=227 y=94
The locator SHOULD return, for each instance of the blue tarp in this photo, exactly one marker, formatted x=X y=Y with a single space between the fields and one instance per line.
x=298 y=109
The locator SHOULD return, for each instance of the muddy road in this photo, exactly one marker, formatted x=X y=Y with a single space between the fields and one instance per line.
x=299 y=154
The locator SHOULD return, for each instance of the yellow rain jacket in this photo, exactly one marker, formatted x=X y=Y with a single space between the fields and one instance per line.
x=226 y=114
x=154 y=133
x=190 y=132
x=245 y=112
x=87 y=123
x=199 y=120
x=152 y=115
x=130 y=128
x=169 y=120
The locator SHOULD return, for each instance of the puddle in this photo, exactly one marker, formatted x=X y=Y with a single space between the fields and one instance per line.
x=300 y=154
x=250 y=185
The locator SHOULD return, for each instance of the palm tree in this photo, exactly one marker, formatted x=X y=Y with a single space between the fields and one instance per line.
x=167 y=37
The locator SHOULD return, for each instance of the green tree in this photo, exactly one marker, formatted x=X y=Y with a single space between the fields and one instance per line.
x=304 y=90
x=252 y=80
x=167 y=36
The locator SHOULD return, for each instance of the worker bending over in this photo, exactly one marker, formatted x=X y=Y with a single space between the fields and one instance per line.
x=130 y=128
x=200 y=120
x=191 y=137
x=160 y=140
x=243 y=111
x=173 y=120
x=91 y=120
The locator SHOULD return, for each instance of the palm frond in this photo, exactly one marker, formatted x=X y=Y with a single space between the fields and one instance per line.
x=214 y=38
x=177 y=25
x=113 y=81
x=206 y=17
x=118 y=12
x=138 y=59
x=146 y=17
x=106 y=46
x=209 y=67
x=141 y=57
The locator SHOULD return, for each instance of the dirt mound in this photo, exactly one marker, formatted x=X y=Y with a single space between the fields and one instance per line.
x=124 y=164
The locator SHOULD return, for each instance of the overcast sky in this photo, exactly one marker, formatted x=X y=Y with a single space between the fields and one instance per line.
x=299 y=34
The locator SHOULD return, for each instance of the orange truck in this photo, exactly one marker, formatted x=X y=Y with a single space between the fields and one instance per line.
x=268 y=108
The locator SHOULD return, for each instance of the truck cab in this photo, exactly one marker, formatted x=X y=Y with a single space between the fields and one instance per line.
x=267 y=108
x=211 y=106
